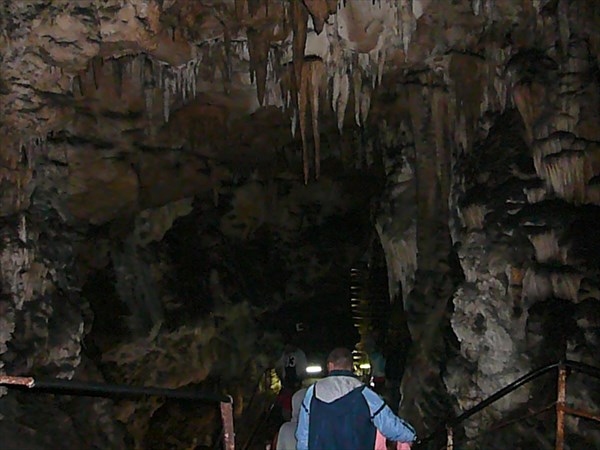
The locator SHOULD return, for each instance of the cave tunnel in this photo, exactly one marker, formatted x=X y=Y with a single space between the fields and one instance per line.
x=189 y=185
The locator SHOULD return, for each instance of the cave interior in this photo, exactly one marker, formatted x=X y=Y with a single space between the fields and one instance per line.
x=186 y=185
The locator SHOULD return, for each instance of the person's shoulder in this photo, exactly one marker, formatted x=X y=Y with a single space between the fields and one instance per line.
x=336 y=386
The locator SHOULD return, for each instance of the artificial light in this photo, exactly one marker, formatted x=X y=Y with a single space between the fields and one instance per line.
x=314 y=369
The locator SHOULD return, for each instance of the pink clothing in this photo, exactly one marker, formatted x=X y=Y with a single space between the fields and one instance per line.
x=380 y=443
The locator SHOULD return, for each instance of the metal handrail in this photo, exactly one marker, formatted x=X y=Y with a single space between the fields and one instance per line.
x=443 y=428
x=90 y=389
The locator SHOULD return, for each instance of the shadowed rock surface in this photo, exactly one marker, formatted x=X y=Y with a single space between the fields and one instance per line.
x=182 y=181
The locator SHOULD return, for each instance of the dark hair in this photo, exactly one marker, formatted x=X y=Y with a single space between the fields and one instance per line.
x=341 y=358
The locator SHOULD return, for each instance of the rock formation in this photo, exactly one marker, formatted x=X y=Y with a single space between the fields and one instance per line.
x=177 y=173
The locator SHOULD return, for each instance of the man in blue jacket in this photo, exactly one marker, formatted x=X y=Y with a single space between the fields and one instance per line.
x=340 y=412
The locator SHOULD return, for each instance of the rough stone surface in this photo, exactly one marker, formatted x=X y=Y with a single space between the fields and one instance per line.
x=168 y=166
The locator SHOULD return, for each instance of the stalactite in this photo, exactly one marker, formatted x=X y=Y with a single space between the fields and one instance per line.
x=535 y=195
x=240 y=8
x=258 y=48
x=501 y=89
x=536 y=286
x=299 y=27
x=22 y=231
x=381 y=57
x=228 y=72
x=319 y=11
x=317 y=74
x=365 y=104
x=473 y=216
x=566 y=173
x=340 y=96
x=77 y=88
x=294 y=122
x=401 y=257
x=31 y=149
x=546 y=247
x=564 y=27
x=407 y=24
x=118 y=76
x=173 y=82
x=273 y=93
x=357 y=86
x=96 y=70
x=166 y=99
x=311 y=81
x=136 y=286
x=254 y=6
x=302 y=105
x=541 y=149
x=566 y=285
x=489 y=7
x=369 y=153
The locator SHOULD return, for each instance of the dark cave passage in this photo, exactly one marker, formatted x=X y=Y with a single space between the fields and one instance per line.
x=189 y=188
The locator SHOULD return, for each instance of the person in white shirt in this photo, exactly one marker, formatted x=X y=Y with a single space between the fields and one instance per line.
x=286 y=439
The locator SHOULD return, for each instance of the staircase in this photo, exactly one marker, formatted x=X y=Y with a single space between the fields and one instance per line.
x=369 y=301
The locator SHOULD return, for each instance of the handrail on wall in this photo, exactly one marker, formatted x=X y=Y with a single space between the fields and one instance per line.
x=447 y=428
x=72 y=387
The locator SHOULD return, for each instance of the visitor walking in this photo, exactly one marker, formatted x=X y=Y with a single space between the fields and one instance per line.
x=340 y=412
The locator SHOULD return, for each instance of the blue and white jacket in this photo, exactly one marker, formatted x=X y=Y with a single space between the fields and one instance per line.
x=340 y=412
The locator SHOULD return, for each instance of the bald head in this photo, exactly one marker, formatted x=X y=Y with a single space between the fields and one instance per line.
x=339 y=359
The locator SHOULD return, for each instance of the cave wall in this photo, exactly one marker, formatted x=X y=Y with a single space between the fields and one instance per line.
x=478 y=118
x=491 y=155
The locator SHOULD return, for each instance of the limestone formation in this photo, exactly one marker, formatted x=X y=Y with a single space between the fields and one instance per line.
x=182 y=178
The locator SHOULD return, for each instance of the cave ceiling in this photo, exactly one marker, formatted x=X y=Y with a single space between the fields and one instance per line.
x=192 y=175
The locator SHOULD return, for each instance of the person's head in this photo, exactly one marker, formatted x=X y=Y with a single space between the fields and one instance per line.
x=339 y=359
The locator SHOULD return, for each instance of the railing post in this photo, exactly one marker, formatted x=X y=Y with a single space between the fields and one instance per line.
x=560 y=407
x=450 y=438
x=227 y=419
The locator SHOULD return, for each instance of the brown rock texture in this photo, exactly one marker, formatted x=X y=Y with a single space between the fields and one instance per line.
x=176 y=173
